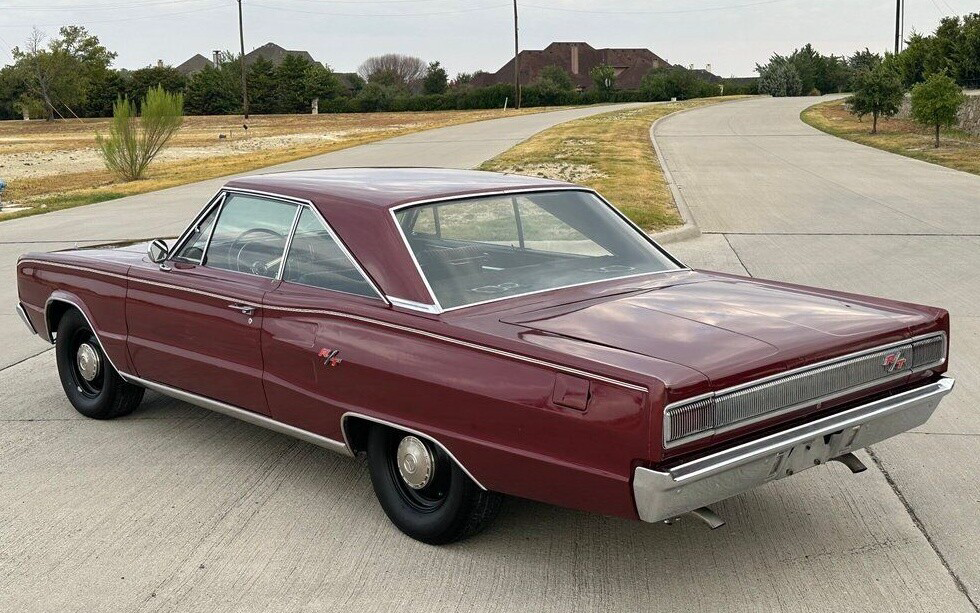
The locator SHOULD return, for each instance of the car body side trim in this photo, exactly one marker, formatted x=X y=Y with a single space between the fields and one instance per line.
x=440 y=337
x=397 y=426
x=255 y=419
x=23 y=316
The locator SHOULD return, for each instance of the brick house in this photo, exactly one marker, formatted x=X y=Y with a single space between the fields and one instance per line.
x=270 y=51
x=577 y=59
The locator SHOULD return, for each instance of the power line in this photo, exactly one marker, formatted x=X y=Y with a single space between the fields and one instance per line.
x=667 y=12
x=333 y=14
x=120 y=20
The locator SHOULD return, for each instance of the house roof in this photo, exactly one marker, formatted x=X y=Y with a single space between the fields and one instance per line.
x=194 y=64
x=275 y=54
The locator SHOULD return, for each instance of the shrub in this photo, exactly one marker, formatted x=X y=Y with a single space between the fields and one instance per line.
x=936 y=102
x=134 y=142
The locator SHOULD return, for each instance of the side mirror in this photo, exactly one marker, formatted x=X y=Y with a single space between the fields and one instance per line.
x=157 y=251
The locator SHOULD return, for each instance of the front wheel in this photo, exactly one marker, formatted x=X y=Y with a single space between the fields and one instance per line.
x=423 y=491
x=92 y=385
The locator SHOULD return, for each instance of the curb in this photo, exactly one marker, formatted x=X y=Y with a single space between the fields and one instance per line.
x=690 y=229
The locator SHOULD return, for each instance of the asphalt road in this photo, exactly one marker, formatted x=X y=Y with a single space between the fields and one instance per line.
x=780 y=200
x=175 y=508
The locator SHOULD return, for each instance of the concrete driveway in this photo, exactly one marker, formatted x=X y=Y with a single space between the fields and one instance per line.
x=780 y=200
x=175 y=508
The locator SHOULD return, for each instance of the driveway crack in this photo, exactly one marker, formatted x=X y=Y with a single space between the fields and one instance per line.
x=960 y=586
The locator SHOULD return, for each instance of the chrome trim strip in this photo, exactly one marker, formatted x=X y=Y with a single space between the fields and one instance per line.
x=289 y=242
x=95 y=331
x=256 y=419
x=23 y=317
x=397 y=426
x=378 y=322
x=667 y=493
x=412 y=305
x=215 y=200
x=517 y=192
x=790 y=373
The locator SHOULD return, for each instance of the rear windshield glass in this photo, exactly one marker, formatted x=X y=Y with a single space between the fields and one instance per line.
x=483 y=249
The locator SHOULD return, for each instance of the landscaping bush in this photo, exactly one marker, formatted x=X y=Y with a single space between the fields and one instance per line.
x=134 y=142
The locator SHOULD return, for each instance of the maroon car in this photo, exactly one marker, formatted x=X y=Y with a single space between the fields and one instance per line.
x=477 y=334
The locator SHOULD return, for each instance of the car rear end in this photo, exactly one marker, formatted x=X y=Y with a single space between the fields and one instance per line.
x=731 y=440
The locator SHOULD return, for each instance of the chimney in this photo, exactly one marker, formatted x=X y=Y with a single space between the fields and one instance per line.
x=159 y=63
x=574 y=58
x=708 y=67
x=216 y=54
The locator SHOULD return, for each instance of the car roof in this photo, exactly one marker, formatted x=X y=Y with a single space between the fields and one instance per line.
x=387 y=187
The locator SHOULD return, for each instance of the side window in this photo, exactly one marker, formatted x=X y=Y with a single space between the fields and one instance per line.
x=197 y=241
x=250 y=235
x=316 y=259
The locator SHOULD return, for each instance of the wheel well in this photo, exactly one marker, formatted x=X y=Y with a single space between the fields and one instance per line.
x=355 y=429
x=356 y=433
x=53 y=313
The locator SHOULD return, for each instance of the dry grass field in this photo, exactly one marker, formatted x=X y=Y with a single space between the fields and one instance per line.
x=53 y=165
x=610 y=153
x=958 y=149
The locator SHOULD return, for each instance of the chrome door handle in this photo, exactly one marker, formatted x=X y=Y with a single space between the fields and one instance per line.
x=245 y=309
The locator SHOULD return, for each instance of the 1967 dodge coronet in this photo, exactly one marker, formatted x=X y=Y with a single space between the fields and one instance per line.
x=477 y=334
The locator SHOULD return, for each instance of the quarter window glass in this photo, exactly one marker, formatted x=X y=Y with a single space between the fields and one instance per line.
x=316 y=259
x=193 y=249
x=250 y=235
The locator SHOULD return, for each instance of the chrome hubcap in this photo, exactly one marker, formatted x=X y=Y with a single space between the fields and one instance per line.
x=88 y=362
x=415 y=463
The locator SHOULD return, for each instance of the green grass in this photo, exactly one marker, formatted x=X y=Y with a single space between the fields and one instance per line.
x=959 y=150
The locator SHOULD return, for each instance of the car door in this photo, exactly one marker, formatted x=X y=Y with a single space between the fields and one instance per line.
x=318 y=355
x=195 y=321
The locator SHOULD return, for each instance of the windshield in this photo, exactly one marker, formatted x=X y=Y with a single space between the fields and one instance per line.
x=483 y=249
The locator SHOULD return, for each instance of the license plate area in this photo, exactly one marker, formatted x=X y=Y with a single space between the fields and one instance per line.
x=814 y=452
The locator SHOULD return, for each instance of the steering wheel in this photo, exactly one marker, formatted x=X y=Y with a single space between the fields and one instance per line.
x=252 y=256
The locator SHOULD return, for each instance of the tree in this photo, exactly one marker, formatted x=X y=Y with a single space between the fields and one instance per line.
x=877 y=92
x=936 y=102
x=436 y=80
x=167 y=77
x=291 y=85
x=216 y=90
x=604 y=78
x=462 y=79
x=322 y=83
x=779 y=78
x=674 y=82
x=863 y=60
x=54 y=78
x=554 y=78
x=393 y=70
x=134 y=142
x=262 y=86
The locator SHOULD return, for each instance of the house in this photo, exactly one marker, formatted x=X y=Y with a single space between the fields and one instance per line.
x=577 y=59
x=270 y=51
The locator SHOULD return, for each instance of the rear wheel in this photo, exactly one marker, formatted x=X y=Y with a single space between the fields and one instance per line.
x=92 y=385
x=424 y=491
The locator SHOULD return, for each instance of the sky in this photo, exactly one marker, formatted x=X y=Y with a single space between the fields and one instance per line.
x=466 y=35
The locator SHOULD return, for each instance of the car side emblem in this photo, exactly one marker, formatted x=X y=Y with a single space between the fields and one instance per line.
x=894 y=361
x=330 y=357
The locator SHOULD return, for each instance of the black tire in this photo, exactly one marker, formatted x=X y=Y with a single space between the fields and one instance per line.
x=106 y=395
x=451 y=507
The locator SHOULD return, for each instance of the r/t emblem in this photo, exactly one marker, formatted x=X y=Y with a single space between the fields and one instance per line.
x=330 y=357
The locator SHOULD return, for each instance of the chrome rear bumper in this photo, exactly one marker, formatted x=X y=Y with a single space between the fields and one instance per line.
x=23 y=316
x=664 y=495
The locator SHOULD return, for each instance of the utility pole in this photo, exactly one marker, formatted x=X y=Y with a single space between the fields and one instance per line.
x=898 y=24
x=241 y=39
x=517 y=64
